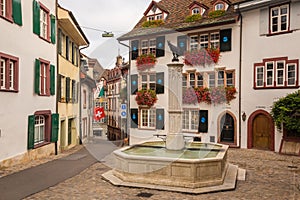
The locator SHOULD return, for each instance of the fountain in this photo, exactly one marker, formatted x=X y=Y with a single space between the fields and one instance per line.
x=174 y=164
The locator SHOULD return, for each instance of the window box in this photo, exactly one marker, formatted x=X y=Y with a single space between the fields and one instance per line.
x=202 y=57
x=146 y=97
x=145 y=61
x=215 y=95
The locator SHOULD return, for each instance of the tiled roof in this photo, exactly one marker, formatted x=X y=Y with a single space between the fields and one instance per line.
x=178 y=11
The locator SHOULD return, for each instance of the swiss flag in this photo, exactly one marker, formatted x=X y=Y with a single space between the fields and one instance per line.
x=99 y=113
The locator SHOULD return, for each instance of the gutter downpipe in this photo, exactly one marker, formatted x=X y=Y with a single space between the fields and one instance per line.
x=57 y=64
x=128 y=91
x=80 y=110
x=240 y=78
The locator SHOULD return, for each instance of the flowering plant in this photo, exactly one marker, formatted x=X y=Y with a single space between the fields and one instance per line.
x=189 y=96
x=203 y=94
x=216 y=95
x=146 y=97
x=202 y=57
x=145 y=61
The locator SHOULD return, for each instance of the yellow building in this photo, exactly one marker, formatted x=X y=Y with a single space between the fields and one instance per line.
x=70 y=39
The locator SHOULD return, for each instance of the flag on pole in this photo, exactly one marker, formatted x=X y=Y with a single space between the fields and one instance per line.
x=99 y=113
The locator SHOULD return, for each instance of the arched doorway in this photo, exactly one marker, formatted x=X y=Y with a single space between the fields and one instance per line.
x=261 y=131
x=227 y=129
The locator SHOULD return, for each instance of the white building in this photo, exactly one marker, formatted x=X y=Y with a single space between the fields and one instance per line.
x=270 y=70
x=28 y=119
x=189 y=26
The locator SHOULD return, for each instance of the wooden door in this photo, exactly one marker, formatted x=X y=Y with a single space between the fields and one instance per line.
x=261 y=132
x=227 y=128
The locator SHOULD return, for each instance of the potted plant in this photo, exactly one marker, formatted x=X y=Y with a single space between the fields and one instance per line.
x=193 y=18
x=152 y=23
x=145 y=61
x=197 y=58
x=203 y=94
x=146 y=97
x=189 y=96
x=216 y=13
x=230 y=93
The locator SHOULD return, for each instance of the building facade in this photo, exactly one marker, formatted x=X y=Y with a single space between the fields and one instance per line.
x=117 y=97
x=270 y=70
x=204 y=37
x=70 y=39
x=28 y=67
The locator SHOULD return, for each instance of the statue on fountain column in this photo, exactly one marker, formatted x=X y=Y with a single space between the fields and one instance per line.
x=176 y=51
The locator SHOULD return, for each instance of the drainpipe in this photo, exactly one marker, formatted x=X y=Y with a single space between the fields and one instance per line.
x=128 y=91
x=79 y=99
x=57 y=66
x=240 y=79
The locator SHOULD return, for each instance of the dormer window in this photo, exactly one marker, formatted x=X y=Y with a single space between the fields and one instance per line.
x=197 y=8
x=159 y=17
x=150 y=18
x=154 y=12
x=220 y=6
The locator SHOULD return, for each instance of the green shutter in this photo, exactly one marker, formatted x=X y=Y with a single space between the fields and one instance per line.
x=52 y=79
x=55 y=127
x=30 y=139
x=37 y=76
x=68 y=89
x=58 y=87
x=59 y=40
x=17 y=12
x=36 y=17
x=53 y=28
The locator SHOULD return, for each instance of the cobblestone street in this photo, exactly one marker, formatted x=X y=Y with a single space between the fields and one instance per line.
x=269 y=176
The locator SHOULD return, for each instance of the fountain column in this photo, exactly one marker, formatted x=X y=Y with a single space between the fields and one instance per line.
x=175 y=140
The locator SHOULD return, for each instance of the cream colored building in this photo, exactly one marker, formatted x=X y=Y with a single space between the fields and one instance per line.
x=70 y=39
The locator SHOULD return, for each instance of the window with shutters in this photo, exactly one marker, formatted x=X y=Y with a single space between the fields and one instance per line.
x=276 y=73
x=279 y=19
x=148 y=46
x=11 y=10
x=44 y=22
x=190 y=120
x=62 y=89
x=43 y=76
x=148 y=117
x=9 y=70
x=41 y=127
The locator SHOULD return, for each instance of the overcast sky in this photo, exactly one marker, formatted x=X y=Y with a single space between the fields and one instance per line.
x=117 y=16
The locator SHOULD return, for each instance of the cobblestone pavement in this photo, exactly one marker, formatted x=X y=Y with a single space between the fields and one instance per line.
x=269 y=176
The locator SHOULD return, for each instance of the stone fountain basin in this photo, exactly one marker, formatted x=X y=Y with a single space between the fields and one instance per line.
x=180 y=170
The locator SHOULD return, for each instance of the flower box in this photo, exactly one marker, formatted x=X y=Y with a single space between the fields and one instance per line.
x=202 y=57
x=145 y=61
x=146 y=97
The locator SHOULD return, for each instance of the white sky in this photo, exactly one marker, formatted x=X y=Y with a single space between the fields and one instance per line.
x=117 y=16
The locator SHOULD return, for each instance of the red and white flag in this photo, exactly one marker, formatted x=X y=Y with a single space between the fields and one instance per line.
x=99 y=113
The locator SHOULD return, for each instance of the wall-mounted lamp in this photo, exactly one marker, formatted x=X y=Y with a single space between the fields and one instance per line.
x=244 y=116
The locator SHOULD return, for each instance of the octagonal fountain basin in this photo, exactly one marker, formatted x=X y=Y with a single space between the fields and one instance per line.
x=151 y=165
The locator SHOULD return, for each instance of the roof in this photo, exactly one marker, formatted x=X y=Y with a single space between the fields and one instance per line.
x=177 y=11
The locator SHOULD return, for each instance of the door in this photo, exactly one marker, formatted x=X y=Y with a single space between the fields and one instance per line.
x=261 y=132
x=69 y=131
x=227 y=128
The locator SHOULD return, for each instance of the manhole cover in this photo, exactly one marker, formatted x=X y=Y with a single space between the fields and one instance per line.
x=144 y=194
x=74 y=157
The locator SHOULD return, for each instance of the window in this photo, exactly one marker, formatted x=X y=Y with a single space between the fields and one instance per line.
x=221 y=78
x=219 y=6
x=44 y=23
x=84 y=99
x=9 y=67
x=200 y=82
x=205 y=40
x=44 y=18
x=148 y=46
x=190 y=120
x=196 y=11
x=63 y=88
x=211 y=80
x=276 y=72
x=159 y=17
x=279 y=19
x=11 y=10
x=42 y=79
x=148 y=118
x=39 y=129
x=148 y=82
